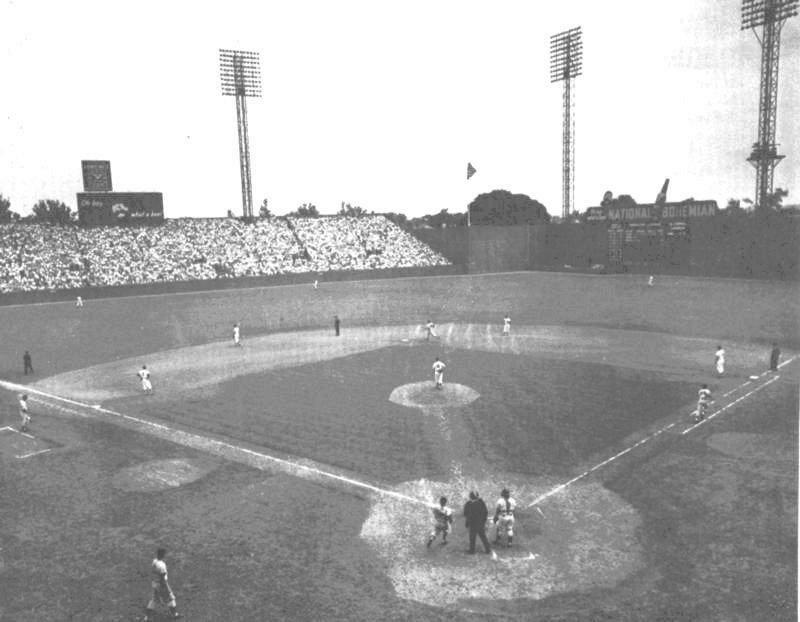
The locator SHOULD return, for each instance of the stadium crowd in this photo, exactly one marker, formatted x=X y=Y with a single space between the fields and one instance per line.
x=41 y=256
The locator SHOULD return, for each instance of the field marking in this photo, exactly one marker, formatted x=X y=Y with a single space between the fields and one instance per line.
x=561 y=487
x=217 y=447
x=15 y=431
x=33 y=453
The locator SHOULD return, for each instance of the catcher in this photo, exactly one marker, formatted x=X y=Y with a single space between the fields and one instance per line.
x=443 y=516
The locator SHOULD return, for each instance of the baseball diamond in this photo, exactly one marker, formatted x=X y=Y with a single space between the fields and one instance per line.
x=309 y=454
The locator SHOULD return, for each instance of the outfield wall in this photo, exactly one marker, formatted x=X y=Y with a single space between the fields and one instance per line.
x=725 y=246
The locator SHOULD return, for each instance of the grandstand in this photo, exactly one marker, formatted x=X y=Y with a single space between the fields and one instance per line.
x=49 y=257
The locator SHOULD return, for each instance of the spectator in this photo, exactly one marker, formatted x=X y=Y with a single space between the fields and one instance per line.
x=42 y=256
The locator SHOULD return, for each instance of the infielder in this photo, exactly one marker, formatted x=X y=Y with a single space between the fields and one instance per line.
x=438 y=373
x=719 y=356
x=431 y=327
x=504 y=516
x=506 y=325
x=24 y=415
x=443 y=517
x=162 y=593
x=79 y=302
x=236 y=340
x=144 y=376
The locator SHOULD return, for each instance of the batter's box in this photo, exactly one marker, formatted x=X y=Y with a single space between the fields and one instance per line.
x=16 y=444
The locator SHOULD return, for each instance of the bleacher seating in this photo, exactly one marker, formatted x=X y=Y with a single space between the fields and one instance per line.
x=50 y=257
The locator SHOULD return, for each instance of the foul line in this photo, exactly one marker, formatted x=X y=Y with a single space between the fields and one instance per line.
x=221 y=448
x=33 y=453
x=561 y=487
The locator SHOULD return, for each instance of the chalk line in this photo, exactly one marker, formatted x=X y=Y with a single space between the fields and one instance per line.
x=34 y=453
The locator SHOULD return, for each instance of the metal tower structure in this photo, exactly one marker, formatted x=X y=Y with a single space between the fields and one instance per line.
x=566 y=63
x=240 y=76
x=770 y=15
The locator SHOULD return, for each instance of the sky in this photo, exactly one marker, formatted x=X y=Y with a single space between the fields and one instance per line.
x=381 y=103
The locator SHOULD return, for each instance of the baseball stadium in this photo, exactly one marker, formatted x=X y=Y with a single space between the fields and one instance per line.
x=308 y=417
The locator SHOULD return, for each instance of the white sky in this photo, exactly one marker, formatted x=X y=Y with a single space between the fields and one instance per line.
x=383 y=103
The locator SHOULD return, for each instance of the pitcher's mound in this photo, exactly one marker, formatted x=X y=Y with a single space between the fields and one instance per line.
x=426 y=395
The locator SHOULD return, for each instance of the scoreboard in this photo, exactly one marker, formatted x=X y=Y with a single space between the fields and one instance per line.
x=96 y=175
x=120 y=208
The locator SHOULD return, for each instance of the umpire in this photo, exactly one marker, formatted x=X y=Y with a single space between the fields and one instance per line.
x=476 y=513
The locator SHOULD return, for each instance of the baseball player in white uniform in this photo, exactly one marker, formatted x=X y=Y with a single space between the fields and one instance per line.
x=438 y=373
x=431 y=328
x=719 y=356
x=24 y=415
x=79 y=302
x=144 y=376
x=236 y=336
x=506 y=325
x=162 y=592
x=703 y=400
x=504 y=516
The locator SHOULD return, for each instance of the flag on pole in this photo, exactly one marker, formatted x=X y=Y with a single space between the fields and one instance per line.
x=470 y=170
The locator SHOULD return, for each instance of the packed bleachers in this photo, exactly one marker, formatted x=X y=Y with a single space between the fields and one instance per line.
x=48 y=257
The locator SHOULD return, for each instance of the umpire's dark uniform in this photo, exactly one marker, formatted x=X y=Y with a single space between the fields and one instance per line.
x=476 y=513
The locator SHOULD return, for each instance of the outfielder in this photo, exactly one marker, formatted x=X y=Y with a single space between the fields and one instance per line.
x=438 y=373
x=236 y=340
x=144 y=376
x=162 y=592
x=506 y=325
x=504 y=516
x=443 y=517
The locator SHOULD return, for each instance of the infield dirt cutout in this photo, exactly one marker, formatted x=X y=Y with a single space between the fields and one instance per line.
x=585 y=538
x=158 y=475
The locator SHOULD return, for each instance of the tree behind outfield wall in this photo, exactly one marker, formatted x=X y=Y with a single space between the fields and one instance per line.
x=351 y=210
x=500 y=207
x=306 y=210
x=53 y=212
x=6 y=214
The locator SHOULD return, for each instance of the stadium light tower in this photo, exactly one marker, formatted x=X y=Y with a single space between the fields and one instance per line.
x=240 y=76
x=566 y=63
x=770 y=15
